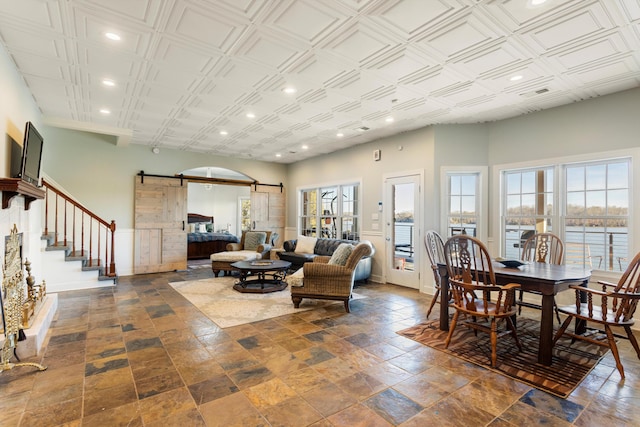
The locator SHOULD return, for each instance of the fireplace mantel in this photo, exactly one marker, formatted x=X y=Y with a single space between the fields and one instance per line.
x=12 y=187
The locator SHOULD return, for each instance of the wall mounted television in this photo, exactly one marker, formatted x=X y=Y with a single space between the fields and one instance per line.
x=31 y=155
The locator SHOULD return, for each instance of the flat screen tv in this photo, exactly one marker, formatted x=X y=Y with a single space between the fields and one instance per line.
x=31 y=155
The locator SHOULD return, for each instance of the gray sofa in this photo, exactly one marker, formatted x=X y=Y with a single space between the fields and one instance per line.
x=325 y=247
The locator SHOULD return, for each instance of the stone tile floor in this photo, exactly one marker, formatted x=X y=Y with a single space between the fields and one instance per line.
x=139 y=354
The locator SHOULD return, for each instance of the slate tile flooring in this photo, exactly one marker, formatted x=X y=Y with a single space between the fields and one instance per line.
x=139 y=354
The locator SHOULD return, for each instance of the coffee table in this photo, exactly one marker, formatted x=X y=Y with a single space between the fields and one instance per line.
x=254 y=276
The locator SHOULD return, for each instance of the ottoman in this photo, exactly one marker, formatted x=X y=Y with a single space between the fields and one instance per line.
x=221 y=261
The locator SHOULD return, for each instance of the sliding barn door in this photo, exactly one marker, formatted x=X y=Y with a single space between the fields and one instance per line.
x=267 y=210
x=160 y=224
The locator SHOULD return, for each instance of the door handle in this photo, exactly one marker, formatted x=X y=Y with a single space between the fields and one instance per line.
x=183 y=225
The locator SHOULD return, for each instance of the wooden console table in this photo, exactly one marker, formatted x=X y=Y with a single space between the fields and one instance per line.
x=12 y=187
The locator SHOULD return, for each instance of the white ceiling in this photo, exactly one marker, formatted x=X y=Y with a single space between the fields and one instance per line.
x=187 y=69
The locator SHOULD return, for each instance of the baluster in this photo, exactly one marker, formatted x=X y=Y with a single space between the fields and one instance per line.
x=46 y=212
x=91 y=242
x=82 y=234
x=65 y=223
x=55 y=231
x=73 y=233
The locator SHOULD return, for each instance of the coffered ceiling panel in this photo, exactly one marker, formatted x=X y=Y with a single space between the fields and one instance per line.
x=314 y=73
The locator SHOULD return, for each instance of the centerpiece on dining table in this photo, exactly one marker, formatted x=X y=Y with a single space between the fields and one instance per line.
x=510 y=263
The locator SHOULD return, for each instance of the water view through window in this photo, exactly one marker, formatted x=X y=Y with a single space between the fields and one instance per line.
x=590 y=211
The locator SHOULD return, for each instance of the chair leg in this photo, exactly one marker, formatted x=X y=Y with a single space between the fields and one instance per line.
x=520 y=297
x=296 y=301
x=633 y=340
x=494 y=342
x=346 y=305
x=562 y=329
x=614 y=349
x=514 y=334
x=433 y=301
x=555 y=307
x=452 y=328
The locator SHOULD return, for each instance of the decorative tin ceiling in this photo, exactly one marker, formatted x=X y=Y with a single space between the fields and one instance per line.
x=186 y=73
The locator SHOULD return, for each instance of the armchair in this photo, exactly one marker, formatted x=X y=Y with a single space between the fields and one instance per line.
x=322 y=280
x=252 y=240
x=253 y=245
x=611 y=306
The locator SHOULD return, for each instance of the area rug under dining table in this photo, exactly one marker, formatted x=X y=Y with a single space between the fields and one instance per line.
x=570 y=365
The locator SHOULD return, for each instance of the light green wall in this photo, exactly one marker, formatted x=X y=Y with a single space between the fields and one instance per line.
x=601 y=124
x=356 y=163
x=17 y=107
x=101 y=175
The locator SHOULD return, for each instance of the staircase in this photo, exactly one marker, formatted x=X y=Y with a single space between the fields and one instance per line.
x=77 y=236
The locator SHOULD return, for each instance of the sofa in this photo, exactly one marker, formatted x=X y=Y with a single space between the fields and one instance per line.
x=314 y=247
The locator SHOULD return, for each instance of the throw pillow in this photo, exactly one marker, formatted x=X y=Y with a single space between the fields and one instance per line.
x=305 y=245
x=296 y=279
x=192 y=228
x=209 y=227
x=253 y=239
x=202 y=227
x=341 y=254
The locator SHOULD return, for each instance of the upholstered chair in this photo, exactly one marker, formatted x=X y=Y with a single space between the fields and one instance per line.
x=252 y=240
x=329 y=278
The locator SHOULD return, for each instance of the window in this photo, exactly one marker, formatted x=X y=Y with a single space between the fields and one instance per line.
x=591 y=213
x=596 y=214
x=245 y=213
x=331 y=212
x=462 y=203
x=528 y=206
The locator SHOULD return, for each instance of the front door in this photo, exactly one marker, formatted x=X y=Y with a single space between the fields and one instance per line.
x=402 y=229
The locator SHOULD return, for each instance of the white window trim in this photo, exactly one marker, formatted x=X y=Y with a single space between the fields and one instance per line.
x=342 y=182
x=481 y=199
x=634 y=214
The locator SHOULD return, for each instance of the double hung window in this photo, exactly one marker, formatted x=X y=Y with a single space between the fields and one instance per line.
x=462 y=197
x=331 y=212
x=586 y=204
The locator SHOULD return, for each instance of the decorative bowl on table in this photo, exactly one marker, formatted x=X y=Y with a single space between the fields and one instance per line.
x=510 y=263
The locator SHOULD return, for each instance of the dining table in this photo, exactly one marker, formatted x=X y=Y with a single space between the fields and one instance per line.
x=542 y=278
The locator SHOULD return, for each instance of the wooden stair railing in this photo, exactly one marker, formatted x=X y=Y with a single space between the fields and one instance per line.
x=84 y=225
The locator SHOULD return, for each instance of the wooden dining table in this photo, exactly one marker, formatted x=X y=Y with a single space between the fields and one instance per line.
x=545 y=279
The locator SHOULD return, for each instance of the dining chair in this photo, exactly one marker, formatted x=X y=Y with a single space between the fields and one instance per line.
x=541 y=247
x=435 y=251
x=613 y=305
x=475 y=292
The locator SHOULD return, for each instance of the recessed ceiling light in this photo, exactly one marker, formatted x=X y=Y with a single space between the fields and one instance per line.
x=224 y=132
x=516 y=78
x=388 y=119
x=112 y=36
x=305 y=147
x=251 y=115
x=105 y=111
x=289 y=90
x=537 y=2
x=340 y=134
x=108 y=82
x=278 y=155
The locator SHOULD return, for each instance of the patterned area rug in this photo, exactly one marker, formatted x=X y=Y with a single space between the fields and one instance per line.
x=216 y=298
x=571 y=362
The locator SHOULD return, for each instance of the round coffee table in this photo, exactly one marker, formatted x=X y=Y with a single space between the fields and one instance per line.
x=254 y=276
